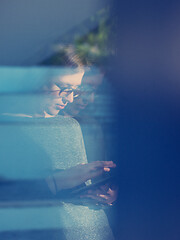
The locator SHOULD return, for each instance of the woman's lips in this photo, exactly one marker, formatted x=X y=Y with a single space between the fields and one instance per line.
x=59 y=107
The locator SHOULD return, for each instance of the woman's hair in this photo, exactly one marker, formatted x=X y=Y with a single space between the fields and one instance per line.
x=67 y=56
x=67 y=62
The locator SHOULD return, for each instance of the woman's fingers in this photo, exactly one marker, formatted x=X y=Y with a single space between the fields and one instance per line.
x=104 y=164
x=98 y=198
x=104 y=187
x=107 y=169
x=95 y=169
x=103 y=193
x=79 y=174
x=95 y=173
x=96 y=192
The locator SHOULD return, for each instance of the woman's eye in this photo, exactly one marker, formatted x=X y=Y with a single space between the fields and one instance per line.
x=67 y=90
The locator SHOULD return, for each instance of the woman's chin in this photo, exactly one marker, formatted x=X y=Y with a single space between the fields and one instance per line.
x=52 y=112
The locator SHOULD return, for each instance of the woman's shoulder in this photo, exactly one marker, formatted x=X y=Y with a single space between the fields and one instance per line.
x=58 y=121
x=66 y=120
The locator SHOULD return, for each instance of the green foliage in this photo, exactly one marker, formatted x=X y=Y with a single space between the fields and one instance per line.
x=93 y=47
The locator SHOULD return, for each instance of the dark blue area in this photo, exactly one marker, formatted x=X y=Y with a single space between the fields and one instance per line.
x=147 y=129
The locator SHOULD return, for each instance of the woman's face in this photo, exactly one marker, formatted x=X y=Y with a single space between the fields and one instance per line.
x=87 y=93
x=61 y=92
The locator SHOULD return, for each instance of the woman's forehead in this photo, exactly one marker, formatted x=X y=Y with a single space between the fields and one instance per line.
x=57 y=86
x=69 y=80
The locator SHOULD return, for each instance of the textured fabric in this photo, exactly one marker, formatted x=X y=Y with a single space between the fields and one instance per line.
x=39 y=146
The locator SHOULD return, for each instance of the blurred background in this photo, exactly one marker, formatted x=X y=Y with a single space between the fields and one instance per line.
x=146 y=76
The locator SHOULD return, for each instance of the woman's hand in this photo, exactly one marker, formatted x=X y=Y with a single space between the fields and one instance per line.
x=79 y=174
x=104 y=194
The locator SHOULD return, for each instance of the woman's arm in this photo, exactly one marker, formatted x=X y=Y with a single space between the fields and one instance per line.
x=77 y=175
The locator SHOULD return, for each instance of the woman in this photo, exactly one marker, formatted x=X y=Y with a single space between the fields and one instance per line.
x=45 y=146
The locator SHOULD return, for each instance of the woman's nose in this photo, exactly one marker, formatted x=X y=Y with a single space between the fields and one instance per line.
x=70 y=97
